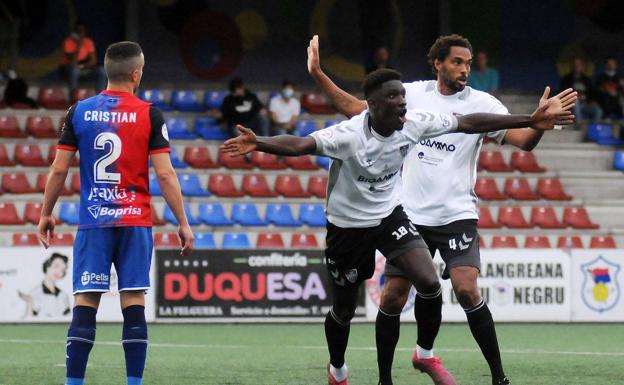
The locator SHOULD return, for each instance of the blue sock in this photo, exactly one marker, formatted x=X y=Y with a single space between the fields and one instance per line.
x=134 y=339
x=80 y=339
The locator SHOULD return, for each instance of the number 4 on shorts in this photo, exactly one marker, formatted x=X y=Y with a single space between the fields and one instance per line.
x=452 y=244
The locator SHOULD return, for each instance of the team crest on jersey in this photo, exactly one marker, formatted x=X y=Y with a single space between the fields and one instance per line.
x=403 y=150
x=600 y=290
x=352 y=275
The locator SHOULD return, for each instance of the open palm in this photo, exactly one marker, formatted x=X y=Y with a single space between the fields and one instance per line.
x=242 y=144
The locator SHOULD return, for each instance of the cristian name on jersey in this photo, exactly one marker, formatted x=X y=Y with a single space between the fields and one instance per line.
x=364 y=177
x=114 y=132
x=440 y=173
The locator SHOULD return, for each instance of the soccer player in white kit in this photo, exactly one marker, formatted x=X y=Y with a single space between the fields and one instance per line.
x=364 y=209
x=438 y=181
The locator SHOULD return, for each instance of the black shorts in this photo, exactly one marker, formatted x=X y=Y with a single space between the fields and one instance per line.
x=350 y=252
x=458 y=243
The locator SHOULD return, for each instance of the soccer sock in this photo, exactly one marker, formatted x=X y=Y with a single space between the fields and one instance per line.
x=387 y=329
x=428 y=313
x=134 y=340
x=80 y=339
x=483 y=330
x=339 y=373
x=337 y=335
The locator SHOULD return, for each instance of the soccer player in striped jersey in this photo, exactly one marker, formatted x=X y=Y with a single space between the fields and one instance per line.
x=439 y=177
x=116 y=134
x=364 y=210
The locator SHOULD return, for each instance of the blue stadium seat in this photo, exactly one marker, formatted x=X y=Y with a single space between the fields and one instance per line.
x=156 y=97
x=323 y=162
x=618 y=160
x=204 y=241
x=213 y=99
x=178 y=129
x=154 y=186
x=69 y=212
x=281 y=215
x=175 y=159
x=191 y=187
x=305 y=127
x=210 y=129
x=331 y=122
x=213 y=214
x=246 y=214
x=235 y=241
x=312 y=215
x=185 y=100
x=169 y=217
x=602 y=134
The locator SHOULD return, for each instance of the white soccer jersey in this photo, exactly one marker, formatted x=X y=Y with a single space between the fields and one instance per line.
x=364 y=178
x=440 y=173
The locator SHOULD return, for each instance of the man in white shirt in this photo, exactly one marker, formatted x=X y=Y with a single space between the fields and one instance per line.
x=439 y=176
x=364 y=209
x=284 y=109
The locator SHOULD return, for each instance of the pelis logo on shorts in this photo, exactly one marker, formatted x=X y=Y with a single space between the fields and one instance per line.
x=94 y=279
x=600 y=291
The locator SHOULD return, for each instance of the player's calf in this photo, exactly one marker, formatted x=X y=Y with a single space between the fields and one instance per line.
x=134 y=340
x=80 y=340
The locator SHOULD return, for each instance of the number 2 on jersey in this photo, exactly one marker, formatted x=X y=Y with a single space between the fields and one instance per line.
x=100 y=174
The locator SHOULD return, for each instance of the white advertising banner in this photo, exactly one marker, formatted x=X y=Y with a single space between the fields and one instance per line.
x=36 y=286
x=598 y=278
x=518 y=284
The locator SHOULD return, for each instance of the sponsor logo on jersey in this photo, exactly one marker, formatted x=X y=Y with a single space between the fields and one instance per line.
x=437 y=145
x=600 y=290
x=421 y=155
x=103 y=211
x=384 y=178
x=111 y=194
x=165 y=133
x=403 y=150
x=94 y=279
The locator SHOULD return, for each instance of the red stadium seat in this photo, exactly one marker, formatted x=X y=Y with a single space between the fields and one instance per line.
x=499 y=241
x=300 y=162
x=223 y=186
x=9 y=128
x=41 y=127
x=545 y=218
x=578 y=218
x=63 y=239
x=266 y=161
x=290 y=187
x=52 y=98
x=303 y=241
x=25 y=239
x=4 y=157
x=513 y=218
x=166 y=240
x=42 y=178
x=602 y=242
x=317 y=186
x=16 y=183
x=493 y=161
x=234 y=162
x=257 y=186
x=270 y=241
x=537 y=242
x=75 y=183
x=486 y=189
x=569 y=242
x=29 y=155
x=518 y=188
x=199 y=157
x=82 y=93
x=316 y=103
x=551 y=189
x=485 y=219
x=525 y=162
x=32 y=213
x=52 y=154
x=8 y=215
x=156 y=220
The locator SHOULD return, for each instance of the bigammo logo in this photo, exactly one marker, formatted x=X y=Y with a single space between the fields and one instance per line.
x=600 y=290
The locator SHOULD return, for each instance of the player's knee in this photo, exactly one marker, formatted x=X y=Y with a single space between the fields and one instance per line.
x=428 y=285
x=343 y=314
x=393 y=301
x=467 y=296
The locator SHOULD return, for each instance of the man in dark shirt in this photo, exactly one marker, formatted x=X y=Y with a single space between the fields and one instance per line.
x=586 y=105
x=610 y=90
x=243 y=107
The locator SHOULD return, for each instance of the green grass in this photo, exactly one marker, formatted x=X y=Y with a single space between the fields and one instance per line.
x=296 y=355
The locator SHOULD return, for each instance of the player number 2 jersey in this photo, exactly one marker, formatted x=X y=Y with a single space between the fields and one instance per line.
x=114 y=132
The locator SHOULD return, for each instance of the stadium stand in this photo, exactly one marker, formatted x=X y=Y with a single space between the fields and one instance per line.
x=52 y=98
x=269 y=241
x=9 y=128
x=501 y=241
x=486 y=189
x=199 y=157
x=41 y=127
x=222 y=185
x=537 y=242
x=493 y=161
x=235 y=241
x=204 y=241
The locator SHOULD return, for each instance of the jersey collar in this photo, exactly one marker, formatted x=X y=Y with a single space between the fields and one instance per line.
x=462 y=95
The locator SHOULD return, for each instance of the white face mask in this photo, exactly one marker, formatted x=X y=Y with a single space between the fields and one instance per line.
x=288 y=92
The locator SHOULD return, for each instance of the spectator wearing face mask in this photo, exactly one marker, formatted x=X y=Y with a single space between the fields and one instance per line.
x=242 y=106
x=284 y=109
x=610 y=89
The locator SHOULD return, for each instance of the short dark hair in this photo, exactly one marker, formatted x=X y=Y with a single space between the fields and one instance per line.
x=375 y=79
x=121 y=59
x=442 y=46
x=235 y=83
x=48 y=262
x=287 y=82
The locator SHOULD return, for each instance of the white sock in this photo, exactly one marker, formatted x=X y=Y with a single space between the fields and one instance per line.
x=340 y=373
x=424 y=353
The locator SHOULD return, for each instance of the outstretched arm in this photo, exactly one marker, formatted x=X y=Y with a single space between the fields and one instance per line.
x=288 y=145
x=342 y=100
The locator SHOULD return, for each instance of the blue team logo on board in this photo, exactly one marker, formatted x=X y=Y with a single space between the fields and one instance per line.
x=600 y=290
x=421 y=155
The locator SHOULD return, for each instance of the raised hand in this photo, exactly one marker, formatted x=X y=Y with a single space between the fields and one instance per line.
x=242 y=144
x=565 y=99
x=314 y=60
x=546 y=117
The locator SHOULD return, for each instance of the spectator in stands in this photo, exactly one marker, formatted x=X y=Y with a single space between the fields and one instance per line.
x=381 y=59
x=46 y=300
x=482 y=77
x=80 y=59
x=586 y=105
x=284 y=109
x=241 y=106
x=16 y=94
x=610 y=90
